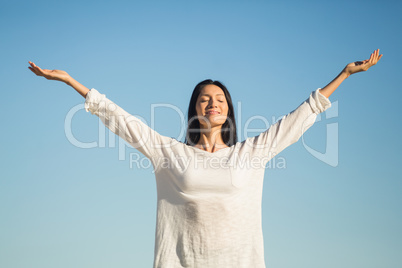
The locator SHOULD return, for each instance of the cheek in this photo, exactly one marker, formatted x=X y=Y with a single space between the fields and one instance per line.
x=225 y=109
x=199 y=109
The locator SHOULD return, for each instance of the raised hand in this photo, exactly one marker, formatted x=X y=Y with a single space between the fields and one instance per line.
x=351 y=68
x=360 y=66
x=49 y=74
x=59 y=76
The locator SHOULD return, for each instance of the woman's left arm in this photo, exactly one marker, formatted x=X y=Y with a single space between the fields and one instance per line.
x=351 y=68
x=291 y=127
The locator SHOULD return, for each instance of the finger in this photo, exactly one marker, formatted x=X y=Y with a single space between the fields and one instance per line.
x=371 y=58
x=377 y=52
x=39 y=70
x=36 y=67
x=33 y=65
x=34 y=71
x=380 y=57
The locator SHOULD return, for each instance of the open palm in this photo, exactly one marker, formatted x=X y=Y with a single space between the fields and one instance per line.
x=49 y=74
x=360 y=66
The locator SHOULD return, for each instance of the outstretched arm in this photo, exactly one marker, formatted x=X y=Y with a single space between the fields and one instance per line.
x=131 y=129
x=291 y=127
x=59 y=76
x=351 y=68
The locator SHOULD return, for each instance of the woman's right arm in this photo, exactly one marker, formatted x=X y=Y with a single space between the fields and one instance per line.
x=59 y=75
x=131 y=129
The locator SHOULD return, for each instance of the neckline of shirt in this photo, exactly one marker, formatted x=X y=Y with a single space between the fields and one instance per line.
x=209 y=153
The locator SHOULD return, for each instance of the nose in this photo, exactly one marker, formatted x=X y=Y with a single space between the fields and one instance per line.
x=212 y=104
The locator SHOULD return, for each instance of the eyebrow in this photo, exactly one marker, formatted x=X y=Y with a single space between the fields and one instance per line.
x=209 y=95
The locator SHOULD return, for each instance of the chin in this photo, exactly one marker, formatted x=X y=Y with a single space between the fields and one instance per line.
x=212 y=124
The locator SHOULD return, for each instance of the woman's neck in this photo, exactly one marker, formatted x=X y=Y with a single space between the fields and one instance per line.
x=211 y=141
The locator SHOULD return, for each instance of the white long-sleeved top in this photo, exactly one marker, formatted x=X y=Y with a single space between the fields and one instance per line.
x=209 y=204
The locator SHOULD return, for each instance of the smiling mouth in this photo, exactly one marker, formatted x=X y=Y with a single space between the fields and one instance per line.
x=212 y=112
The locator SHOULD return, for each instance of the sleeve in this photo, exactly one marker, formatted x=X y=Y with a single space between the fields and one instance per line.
x=128 y=127
x=291 y=127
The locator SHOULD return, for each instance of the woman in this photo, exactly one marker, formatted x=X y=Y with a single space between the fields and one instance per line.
x=209 y=188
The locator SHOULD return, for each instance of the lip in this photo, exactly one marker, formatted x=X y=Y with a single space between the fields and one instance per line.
x=212 y=112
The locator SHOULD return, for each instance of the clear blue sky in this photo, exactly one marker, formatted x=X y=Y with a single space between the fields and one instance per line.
x=64 y=206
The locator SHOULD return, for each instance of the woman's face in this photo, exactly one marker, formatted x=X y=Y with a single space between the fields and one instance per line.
x=212 y=107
